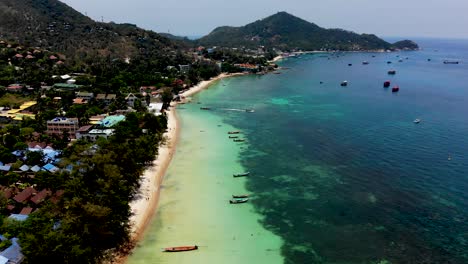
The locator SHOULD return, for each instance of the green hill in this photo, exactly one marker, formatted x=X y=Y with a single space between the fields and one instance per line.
x=285 y=31
x=53 y=25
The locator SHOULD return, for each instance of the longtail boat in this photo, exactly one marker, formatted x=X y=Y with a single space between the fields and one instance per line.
x=239 y=140
x=233 y=132
x=241 y=174
x=237 y=201
x=180 y=249
x=233 y=136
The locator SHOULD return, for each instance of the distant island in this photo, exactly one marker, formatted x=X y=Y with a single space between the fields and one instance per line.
x=287 y=32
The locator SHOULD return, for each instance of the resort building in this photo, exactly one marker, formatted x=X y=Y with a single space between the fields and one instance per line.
x=246 y=66
x=59 y=125
x=94 y=134
x=111 y=121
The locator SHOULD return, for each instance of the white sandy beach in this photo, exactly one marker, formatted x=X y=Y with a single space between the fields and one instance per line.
x=146 y=203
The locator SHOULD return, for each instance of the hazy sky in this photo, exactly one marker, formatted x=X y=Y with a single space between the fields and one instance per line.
x=405 y=18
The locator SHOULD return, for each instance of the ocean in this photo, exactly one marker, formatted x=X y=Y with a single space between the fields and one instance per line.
x=338 y=174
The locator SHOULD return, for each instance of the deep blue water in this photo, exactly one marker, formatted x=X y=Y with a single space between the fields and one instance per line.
x=343 y=174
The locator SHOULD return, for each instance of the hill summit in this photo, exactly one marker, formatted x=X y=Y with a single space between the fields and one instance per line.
x=285 y=31
x=53 y=25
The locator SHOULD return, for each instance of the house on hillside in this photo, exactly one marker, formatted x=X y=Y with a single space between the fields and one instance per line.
x=106 y=98
x=59 y=125
x=131 y=98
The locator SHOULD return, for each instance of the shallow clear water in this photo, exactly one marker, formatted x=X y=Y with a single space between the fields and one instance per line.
x=342 y=174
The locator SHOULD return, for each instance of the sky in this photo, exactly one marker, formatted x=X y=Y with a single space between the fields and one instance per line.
x=385 y=18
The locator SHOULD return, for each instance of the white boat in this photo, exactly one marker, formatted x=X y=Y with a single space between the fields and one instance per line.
x=417 y=121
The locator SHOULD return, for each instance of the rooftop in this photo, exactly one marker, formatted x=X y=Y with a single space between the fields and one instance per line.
x=111 y=121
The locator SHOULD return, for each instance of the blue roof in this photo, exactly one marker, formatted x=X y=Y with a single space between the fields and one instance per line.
x=18 y=153
x=13 y=253
x=24 y=168
x=35 y=168
x=50 y=167
x=18 y=217
x=5 y=168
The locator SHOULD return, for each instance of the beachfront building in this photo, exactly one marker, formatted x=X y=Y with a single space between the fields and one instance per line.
x=155 y=108
x=184 y=68
x=59 y=125
x=94 y=134
x=247 y=67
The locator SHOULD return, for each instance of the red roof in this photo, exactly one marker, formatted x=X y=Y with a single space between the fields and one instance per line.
x=26 y=211
x=8 y=192
x=40 y=197
x=24 y=195
x=52 y=57
x=85 y=128
x=58 y=194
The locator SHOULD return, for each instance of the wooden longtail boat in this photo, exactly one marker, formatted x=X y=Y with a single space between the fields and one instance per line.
x=180 y=249
x=233 y=132
x=239 y=140
x=238 y=201
x=241 y=174
x=233 y=136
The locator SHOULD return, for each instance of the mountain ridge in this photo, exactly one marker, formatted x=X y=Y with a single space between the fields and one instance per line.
x=285 y=31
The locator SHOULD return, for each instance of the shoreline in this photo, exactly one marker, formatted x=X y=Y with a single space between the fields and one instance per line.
x=144 y=207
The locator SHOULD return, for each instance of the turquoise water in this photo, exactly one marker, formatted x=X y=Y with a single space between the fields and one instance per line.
x=338 y=174
x=194 y=204
x=342 y=174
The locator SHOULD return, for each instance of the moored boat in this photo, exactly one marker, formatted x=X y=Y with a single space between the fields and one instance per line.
x=391 y=72
x=239 y=140
x=386 y=84
x=205 y=108
x=365 y=62
x=395 y=89
x=233 y=136
x=450 y=62
x=388 y=62
x=344 y=83
x=241 y=174
x=350 y=64
x=238 y=201
x=240 y=196
x=234 y=132
x=180 y=249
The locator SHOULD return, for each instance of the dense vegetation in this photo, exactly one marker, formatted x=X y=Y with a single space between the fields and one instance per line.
x=287 y=32
x=92 y=216
x=52 y=25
